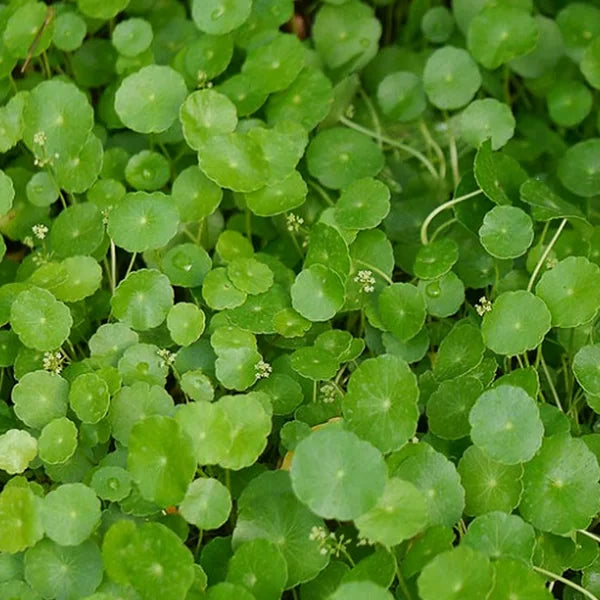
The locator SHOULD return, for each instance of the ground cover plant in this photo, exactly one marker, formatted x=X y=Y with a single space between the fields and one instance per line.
x=299 y=300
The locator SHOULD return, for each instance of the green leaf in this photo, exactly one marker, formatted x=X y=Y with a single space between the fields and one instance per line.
x=487 y=118
x=260 y=567
x=17 y=449
x=561 y=487
x=435 y=259
x=143 y=221
x=513 y=577
x=143 y=299
x=317 y=293
x=337 y=475
x=20 y=518
x=571 y=291
x=132 y=36
x=506 y=424
x=451 y=78
x=39 y=397
x=586 y=367
x=40 y=321
x=380 y=405
x=401 y=96
x=339 y=156
x=458 y=574
x=68 y=572
x=578 y=169
x=489 y=485
x=499 y=34
x=517 y=322
x=206 y=504
x=569 y=103
x=58 y=441
x=501 y=535
x=399 y=514
x=402 y=310
x=363 y=204
x=185 y=322
x=70 y=513
x=148 y=101
x=459 y=352
x=194 y=195
x=161 y=460
x=279 y=197
x=268 y=508
x=111 y=483
x=355 y=590
x=220 y=16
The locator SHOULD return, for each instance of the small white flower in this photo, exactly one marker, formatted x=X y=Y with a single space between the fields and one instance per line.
x=329 y=393
x=28 y=241
x=168 y=357
x=53 y=362
x=483 y=306
x=40 y=138
x=263 y=369
x=294 y=222
x=366 y=280
x=40 y=230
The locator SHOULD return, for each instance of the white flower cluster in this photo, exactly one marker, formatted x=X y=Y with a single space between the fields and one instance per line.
x=263 y=369
x=483 y=306
x=366 y=281
x=53 y=361
x=294 y=222
x=40 y=231
x=329 y=543
x=40 y=138
x=168 y=357
x=329 y=393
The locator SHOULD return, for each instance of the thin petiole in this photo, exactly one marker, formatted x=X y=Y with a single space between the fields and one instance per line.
x=390 y=142
x=589 y=534
x=436 y=148
x=544 y=256
x=441 y=208
x=567 y=582
x=550 y=383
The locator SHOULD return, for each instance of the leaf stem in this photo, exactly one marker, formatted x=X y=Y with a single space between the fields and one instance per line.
x=133 y=257
x=567 y=582
x=589 y=534
x=315 y=186
x=375 y=270
x=544 y=256
x=550 y=383
x=373 y=114
x=402 y=584
x=441 y=208
x=113 y=263
x=390 y=142
x=436 y=147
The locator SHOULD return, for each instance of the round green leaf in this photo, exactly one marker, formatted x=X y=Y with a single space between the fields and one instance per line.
x=206 y=504
x=339 y=156
x=111 y=483
x=484 y=119
x=143 y=221
x=517 y=322
x=579 y=168
x=498 y=534
x=514 y=578
x=401 y=96
x=399 y=514
x=20 y=519
x=70 y=513
x=506 y=424
x=317 y=293
x=579 y=23
x=443 y=296
x=590 y=64
x=314 y=363
x=104 y=10
x=58 y=571
x=40 y=321
x=185 y=322
x=260 y=567
x=356 y=590
x=571 y=291
x=161 y=460
x=40 y=397
x=402 y=310
x=58 y=441
x=186 y=265
x=194 y=195
x=132 y=36
x=17 y=449
x=147 y=171
x=500 y=33
x=363 y=204
x=506 y=232
x=220 y=16
x=561 y=491
x=234 y=161
x=337 y=475
x=148 y=101
x=380 y=405
x=206 y=113
x=69 y=31
x=143 y=299
x=436 y=259
x=451 y=78
x=437 y=24
x=279 y=197
x=89 y=397
x=569 y=103
x=250 y=275
x=218 y=291
x=458 y=574
x=489 y=485
x=22 y=29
